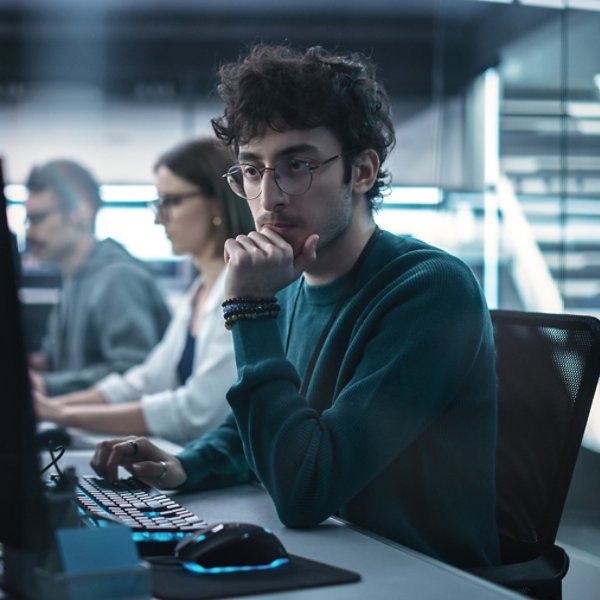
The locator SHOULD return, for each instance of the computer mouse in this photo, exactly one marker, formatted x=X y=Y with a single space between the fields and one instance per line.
x=231 y=547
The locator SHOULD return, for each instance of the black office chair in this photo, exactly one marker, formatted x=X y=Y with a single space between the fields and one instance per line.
x=548 y=367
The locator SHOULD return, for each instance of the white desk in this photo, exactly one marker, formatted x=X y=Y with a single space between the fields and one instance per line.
x=82 y=439
x=388 y=570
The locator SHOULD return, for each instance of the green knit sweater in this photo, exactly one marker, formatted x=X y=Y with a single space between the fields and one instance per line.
x=397 y=429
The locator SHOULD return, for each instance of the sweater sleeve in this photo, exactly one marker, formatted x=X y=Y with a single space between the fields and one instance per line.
x=216 y=459
x=409 y=355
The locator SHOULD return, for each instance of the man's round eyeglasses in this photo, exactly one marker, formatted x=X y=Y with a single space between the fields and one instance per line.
x=163 y=203
x=293 y=176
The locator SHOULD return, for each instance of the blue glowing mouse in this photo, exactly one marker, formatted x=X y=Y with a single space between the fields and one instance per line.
x=231 y=547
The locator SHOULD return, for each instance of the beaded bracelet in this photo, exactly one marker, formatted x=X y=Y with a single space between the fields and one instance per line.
x=241 y=309
x=250 y=300
x=235 y=309
x=231 y=319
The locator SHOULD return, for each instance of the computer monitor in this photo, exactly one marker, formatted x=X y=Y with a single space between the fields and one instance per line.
x=24 y=524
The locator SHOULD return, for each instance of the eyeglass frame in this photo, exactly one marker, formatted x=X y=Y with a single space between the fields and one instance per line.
x=311 y=168
x=163 y=204
x=37 y=219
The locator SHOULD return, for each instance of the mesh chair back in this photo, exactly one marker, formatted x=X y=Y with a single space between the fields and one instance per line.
x=548 y=367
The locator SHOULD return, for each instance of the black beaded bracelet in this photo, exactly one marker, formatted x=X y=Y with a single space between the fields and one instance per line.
x=240 y=310
x=249 y=300
x=248 y=308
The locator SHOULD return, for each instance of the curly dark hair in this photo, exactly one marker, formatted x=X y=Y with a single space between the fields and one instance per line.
x=280 y=88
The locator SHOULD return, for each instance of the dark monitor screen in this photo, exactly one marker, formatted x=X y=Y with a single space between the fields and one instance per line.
x=23 y=518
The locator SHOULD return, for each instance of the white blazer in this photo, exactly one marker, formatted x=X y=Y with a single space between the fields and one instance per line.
x=181 y=413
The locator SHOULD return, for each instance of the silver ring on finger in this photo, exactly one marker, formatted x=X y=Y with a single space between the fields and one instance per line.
x=163 y=474
x=135 y=446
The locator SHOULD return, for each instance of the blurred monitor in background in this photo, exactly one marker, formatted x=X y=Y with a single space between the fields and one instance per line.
x=24 y=530
x=14 y=246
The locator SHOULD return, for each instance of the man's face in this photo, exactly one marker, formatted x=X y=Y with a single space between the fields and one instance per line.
x=49 y=232
x=326 y=208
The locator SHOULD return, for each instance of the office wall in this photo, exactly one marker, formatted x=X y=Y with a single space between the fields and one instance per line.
x=120 y=139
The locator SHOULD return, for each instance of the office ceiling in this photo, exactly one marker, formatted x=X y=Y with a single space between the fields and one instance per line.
x=115 y=42
x=461 y=8
x=424 y=48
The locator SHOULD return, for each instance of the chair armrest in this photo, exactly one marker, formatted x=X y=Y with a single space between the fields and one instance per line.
x=549 y=567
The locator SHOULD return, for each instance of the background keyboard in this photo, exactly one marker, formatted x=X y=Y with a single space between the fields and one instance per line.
x=157 y=522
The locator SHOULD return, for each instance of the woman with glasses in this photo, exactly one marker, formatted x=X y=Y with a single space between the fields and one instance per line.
x=178 y=393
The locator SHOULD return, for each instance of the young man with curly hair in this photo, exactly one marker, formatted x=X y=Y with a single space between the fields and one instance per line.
x=366 y=378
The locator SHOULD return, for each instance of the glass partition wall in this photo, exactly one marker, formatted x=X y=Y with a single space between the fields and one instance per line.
x=550 y=148
x=523 y=204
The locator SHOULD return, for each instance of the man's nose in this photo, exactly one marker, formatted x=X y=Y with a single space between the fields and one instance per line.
x=271 y=195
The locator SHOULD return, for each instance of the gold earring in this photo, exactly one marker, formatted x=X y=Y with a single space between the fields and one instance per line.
x=217 y=221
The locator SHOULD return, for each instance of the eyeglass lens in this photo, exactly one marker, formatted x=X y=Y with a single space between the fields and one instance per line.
x=291 y=177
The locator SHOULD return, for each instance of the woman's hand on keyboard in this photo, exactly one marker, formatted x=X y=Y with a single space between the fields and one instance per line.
x=141 y=458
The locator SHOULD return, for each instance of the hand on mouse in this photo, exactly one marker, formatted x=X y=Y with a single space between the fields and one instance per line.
x=141 y=458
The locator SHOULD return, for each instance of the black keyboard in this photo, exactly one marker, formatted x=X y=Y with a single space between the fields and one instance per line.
x=157 y=522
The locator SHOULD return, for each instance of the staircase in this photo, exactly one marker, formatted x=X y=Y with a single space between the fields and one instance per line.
x=569 y=240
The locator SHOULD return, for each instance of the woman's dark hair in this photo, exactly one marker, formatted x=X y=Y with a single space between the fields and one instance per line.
x=279 y=88
x=202 y=162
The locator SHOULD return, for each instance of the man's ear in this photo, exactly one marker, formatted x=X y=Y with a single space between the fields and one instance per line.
x=365 y=167
x=82 y=215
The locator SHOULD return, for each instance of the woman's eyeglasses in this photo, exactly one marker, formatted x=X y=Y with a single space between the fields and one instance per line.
x=164 y=203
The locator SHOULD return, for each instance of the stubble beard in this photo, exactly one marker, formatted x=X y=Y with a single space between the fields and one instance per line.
x=337 y=223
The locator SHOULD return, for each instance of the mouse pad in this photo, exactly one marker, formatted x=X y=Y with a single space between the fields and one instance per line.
x=175 y=583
